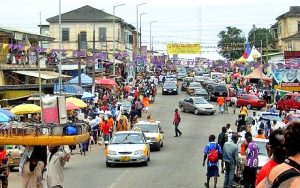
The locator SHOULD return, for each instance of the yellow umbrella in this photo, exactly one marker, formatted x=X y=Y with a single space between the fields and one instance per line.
x=25 y=109
x=77 y=102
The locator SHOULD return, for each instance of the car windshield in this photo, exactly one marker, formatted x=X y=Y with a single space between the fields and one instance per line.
x=189 y=79
x=220 y=88
x=271 y=117
x=198 y=78
x=261 y=145
x=200 y=100
x=171 y=79
x=126 y=103
x=147 y=128
x=253 y=97
x=127 y=138
x=200 y=91
x=169 y=84
x=195 y=85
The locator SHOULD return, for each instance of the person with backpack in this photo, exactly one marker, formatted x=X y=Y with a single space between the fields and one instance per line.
x=212 y=151
x=286 y=174
x=222 y=138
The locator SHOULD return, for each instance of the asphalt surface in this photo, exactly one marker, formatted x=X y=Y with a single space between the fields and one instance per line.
x=178 y=164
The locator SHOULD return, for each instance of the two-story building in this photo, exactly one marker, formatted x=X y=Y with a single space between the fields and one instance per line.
x=80 y=25
x=286 y=31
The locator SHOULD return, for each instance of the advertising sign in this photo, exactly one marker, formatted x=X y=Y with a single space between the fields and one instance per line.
x=287 y=79
x=184 y=48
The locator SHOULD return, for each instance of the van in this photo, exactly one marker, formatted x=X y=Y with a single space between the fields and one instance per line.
x=216 y=75
x=291 y=101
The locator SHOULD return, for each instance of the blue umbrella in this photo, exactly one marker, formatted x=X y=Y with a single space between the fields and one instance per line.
x=4 y=118
x=87 y=96
x=7 y=113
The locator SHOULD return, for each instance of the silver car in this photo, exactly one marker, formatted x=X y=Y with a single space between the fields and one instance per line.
x=197 y=105
x=128 y=147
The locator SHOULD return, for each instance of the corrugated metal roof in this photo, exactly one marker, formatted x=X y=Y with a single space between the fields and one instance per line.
x=47 y=75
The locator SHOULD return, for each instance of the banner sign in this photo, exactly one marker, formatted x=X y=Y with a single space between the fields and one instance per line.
x=287 y=79
x=184 y=48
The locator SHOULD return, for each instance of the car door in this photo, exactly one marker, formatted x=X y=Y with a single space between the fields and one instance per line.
x=185 y=103
x=191 y=105
x=296 y=102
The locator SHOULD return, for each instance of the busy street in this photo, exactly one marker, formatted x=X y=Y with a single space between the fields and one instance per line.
x=178 y=164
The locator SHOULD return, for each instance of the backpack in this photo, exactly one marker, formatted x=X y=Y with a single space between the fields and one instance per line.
x=213 y=154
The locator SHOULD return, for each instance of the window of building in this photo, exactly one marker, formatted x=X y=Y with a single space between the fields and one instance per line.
x=65 y=34
x=102 y=34
x=298 y=26
x=83 y=40
x=279 y=28
x=130 y=39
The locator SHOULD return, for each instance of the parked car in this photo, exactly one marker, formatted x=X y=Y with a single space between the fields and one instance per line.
x=125 y=106
x=128 y=147
x=292 y=117
x=271 y=117
x=169 y=88
x=289 y=101
x=251 y=101
x=192 y=86
x=153 y=133
x=197 y=105
x=14 y=155
x=199 y=79
x=216 y=91
x=263 y=157
x=186 y=82
x=200 y=93
x=181 y=75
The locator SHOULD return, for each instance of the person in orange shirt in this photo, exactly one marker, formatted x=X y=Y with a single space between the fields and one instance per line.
x=146 y=103
x=260 y=134
x=110 y=122
x=221 y=102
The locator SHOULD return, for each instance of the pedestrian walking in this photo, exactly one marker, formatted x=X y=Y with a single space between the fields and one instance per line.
x=251 y=165
x=244 y=111
x=230 y=157
x=56 y=161
x=221 y=103
x=222 y=138
x=212 y=151
x=4 y=168
x=176 y=122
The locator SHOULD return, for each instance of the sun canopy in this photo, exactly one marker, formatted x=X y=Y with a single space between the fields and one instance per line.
x=4 y=118
x=46 y=75
x=105 y=81
x=7 y=113
x=68 y=89
x=77 y=102
x=25 y=109
x=87 y=96
x=258 y=74
x=85 y=80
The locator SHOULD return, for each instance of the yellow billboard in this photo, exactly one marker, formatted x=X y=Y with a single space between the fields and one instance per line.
x=184 y=48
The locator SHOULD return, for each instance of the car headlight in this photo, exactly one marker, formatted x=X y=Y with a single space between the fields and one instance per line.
x=174 y=89
x=111 y=152
x=153 y=139
x=157 y=138
x=139 y=152
x=165 y=89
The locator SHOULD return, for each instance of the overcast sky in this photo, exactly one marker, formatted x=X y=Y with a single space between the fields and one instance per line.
x=184 y=21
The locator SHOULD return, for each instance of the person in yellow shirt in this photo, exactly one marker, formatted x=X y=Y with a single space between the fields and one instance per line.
x=244 y=111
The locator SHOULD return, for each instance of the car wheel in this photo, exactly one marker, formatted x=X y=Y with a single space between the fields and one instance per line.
x=108 y=164
x=145 y=163
x=182 y=109
x=162 y=144
x=196 y=112
x=158 y=148
x=11 y=168
x=212 y=113
x=249 y=106
x=163 y=93
x=149 y=158
x=176 y=93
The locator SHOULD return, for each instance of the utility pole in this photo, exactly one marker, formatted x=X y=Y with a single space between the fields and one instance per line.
x=93 y=70
x=79 y=60
x=60 y=41
x=267 y=48
x=253 y=34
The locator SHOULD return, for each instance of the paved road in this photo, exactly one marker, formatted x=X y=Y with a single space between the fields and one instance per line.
x=178 y=164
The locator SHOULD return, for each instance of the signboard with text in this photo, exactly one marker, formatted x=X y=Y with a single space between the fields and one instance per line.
x=184 y=48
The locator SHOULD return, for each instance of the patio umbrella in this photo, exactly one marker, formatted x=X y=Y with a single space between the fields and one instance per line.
x=105 y=81
x=25 y=109
x=4 y=118
x=87 y=96
x=71 y=106
x=236 y=75
x=77 y=102
x=7 y=113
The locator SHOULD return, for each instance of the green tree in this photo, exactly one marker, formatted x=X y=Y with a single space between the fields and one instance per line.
x=261 y=34
x=231 y=43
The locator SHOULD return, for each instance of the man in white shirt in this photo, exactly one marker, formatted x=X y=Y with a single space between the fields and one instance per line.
x=228 y=132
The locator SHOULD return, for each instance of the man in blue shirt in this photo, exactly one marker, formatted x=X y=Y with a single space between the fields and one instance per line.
x=211 y=152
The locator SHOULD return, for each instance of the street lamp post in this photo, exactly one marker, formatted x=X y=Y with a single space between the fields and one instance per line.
x=141 y=30
x=113 y=55
x=137 y=21
x=59 y=42
x=151 y=50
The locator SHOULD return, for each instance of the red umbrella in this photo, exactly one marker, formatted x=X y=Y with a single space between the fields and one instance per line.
x=105 y=81
x=235 y=75
x=72 y=106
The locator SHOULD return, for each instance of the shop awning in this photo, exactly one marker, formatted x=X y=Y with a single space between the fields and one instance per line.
x=47 y=75
x=85 y=80
x=68 y=89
